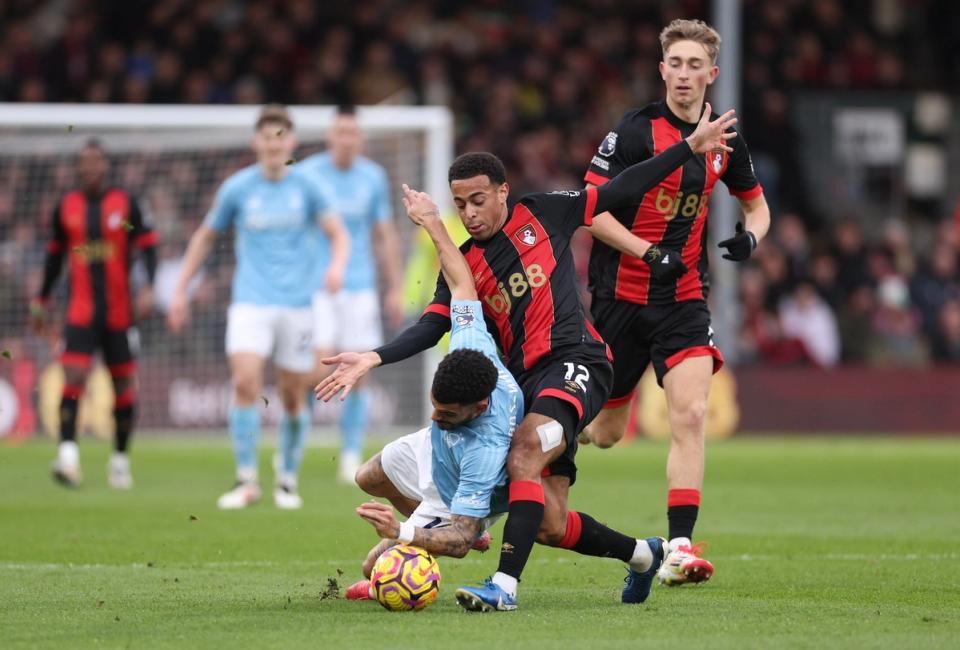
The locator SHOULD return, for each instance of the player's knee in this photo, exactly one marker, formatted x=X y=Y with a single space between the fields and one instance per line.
x=370 y=477
x=551 y=533
x=605 y=437
x=689 y=417
x=522 y=463
x=75 y=375
x=246 y=387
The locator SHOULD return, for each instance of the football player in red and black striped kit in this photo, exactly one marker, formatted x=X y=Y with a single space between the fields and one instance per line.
x=96 y=228
x=664 y=320
x=525 y=278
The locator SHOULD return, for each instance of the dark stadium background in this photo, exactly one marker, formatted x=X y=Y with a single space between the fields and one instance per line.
x=850 y=310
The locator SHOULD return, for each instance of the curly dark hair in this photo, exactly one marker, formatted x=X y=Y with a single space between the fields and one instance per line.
x=464 y=377
x=477 y=163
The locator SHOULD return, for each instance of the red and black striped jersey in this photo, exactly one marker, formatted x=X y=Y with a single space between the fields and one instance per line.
x=673 y=214
x=526 y=280
x=99 y=233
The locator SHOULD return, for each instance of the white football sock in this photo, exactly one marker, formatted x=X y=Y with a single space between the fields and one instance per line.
x=677 y=542
x=247 y=474
x=68 y=453
x=505 y=582
x=642 y=557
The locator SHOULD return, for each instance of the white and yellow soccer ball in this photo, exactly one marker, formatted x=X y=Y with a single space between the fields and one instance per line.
x=405 y=578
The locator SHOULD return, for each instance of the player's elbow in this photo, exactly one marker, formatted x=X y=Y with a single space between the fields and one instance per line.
x=460 y=550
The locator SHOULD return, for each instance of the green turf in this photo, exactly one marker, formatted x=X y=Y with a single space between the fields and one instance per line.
x=817 y=543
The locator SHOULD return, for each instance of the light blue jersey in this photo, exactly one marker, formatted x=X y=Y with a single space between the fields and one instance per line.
x=362 y=199
x=277 y=234
x=470 y=461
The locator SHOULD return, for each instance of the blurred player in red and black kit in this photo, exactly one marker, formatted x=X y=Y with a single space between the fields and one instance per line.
x=97 y=227
x=523 y=268
x=663 y=318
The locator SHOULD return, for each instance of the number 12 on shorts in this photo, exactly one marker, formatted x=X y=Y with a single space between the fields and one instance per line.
x=578 y=374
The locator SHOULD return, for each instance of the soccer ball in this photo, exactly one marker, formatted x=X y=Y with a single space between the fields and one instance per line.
x=405 y=578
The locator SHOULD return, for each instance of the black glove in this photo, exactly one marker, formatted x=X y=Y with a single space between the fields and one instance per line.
x=665 y=265
x=740 y=246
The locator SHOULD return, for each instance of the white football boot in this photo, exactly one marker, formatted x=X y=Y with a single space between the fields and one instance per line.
x=243 y=494
x=285 y=496
x=118 y=472
x=683 y=565
x=66 y=468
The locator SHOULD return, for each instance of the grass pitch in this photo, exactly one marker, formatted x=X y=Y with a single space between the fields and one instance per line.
x=817 y=543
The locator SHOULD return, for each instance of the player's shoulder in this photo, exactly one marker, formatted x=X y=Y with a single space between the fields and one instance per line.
x=369 y=167
x=641 y=116
x=242 y=178
x=541 y=199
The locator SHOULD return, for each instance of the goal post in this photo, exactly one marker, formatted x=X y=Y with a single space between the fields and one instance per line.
x=173 y=157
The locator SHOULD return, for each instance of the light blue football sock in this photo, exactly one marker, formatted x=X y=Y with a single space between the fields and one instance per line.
x=353 y=421
x=245 y=433
x=293 y=438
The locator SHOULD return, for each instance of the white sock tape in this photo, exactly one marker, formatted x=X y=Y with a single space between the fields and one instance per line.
x=407 y=530
x=551 y=435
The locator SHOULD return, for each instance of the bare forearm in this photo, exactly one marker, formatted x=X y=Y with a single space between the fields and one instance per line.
x=452 y=263
x=339 y=242
x=756 y=216
x=197 y=250
x=611 y=232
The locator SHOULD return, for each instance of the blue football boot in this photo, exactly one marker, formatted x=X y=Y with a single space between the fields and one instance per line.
x=636 y=587
x=488 y=598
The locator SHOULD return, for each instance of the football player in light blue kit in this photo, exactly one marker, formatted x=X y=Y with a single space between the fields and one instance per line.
x=274 y=208
x=349 y=321
x=449 y=478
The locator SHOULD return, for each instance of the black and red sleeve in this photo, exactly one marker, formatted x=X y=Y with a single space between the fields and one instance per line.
x=739 y=176
x=563 y=210
x=143 y=237
x=620 y=148
x=56 y=249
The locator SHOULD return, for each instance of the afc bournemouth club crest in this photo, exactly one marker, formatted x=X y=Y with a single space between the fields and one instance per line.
x=527 y=235
x=717 y=161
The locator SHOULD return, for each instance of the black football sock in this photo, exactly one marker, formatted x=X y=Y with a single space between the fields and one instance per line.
x=520 y=531
x=123 y=417
x=683 y=506
x=68 y=413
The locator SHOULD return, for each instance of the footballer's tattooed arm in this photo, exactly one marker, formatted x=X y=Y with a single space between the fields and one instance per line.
x=375 y=554
x=454 y=540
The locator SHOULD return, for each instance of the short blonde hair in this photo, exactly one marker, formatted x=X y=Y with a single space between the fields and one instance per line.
x=691 y=30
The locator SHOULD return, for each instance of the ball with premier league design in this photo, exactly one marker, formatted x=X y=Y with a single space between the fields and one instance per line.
x=405 y=578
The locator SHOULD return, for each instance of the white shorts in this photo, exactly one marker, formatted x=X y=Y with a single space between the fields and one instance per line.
x=286 y=333
x=407 y=462
x=346 y=321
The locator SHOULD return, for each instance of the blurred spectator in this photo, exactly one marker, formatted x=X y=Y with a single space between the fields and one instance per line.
x=806 y=316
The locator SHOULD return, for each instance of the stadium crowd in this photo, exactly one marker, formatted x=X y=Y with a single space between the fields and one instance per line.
x=540 y=86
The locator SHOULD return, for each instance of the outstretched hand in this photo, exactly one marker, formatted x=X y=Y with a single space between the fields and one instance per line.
x=421 y=208
x=713 y=136
x=351 y=367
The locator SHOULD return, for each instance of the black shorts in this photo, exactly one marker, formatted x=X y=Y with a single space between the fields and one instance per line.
x=119 y=347
x=571 y=386
x=663 y=334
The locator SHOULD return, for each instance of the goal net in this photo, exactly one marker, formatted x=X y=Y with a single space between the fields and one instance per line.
x=173 y=158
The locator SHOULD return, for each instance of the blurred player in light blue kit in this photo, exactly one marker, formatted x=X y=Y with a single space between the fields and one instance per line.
x=349 y=320
x=274 y=208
